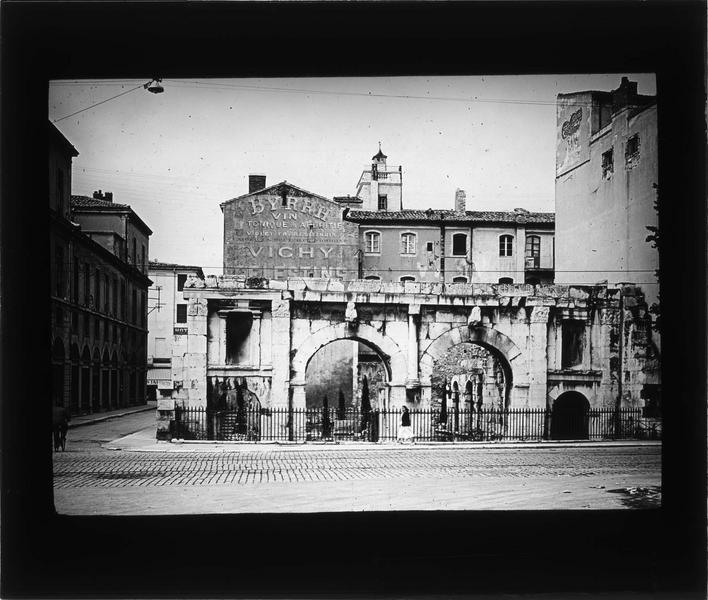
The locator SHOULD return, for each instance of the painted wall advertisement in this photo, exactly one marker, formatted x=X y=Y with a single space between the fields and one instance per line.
x=286 y=232
x=572 y=143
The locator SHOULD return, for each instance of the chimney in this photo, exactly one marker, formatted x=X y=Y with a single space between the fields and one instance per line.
x=460 y=198
x=98 y=195
x=624 y=95
x=256 y=182
x=108 y=197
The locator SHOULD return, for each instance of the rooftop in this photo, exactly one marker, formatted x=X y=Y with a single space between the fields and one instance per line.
x=163 y=266
x=515 y=216
x=94 y=204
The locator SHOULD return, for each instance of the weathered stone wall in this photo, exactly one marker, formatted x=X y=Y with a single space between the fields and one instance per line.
x=411 y=326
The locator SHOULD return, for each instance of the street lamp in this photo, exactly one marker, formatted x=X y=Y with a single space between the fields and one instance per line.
x=154 y=86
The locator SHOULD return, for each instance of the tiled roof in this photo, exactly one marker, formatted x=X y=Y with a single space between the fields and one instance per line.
x=88 y=202
x=470 y=216
x=153 y=264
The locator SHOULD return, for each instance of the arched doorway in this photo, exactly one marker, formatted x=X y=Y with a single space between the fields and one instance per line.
x=570 y=417
x=75 y=379
x=96 y=382
x=58 y=372
x=470 y=388
x=346 y=381
x=85 y=400
x=105 y=381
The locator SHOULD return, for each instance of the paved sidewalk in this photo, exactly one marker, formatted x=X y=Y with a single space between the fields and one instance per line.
x=92 y=418
x=144 y=441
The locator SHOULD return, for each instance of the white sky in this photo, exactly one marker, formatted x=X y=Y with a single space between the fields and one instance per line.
x=174 y=157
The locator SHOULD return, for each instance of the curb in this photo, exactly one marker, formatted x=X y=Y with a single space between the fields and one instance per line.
x=212 y=446
x=107 y=417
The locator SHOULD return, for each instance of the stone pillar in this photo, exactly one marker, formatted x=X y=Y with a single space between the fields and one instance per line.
x=280 y=351
x=538 y=358
x=195 y=360
x=254 y=339
x=609 y=357
x=397 y=396
x=413 y=380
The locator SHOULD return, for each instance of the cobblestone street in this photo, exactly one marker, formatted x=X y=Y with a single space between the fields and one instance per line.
x=183 y=479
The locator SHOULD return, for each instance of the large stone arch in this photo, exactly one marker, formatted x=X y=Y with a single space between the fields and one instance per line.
x=497 y=342
x=392 y=356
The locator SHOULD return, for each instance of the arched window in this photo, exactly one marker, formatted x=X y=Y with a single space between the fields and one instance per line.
x=407 y=278
x=459 y=280
x=506 y=245
x=459 y=244
x=408 y=243
x=372 y=278
x=506 y=280
x=533 y=252
x=372 y=242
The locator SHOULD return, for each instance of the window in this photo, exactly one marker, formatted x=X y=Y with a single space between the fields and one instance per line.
x=75 y=285
x=97 y=291
x=506 y=245
x=142 y=263
x=238 y=328
x=533 y=252
x=459 y=244
x=135 y=253
x=74 y=322
x=383 y=202
x=181 y=313
x=408 y=243
x=429 y=246
x=143 y=308
x=181 y=280
x=459 y=280
x=87 y=284
x=106 y=301
x=631 y=151
x=134 y=307
x=608 y=164
x=115 y=296
x=372 y=242
x=407 y=278
x=372 y=278
x=59 y=269
x=122 y=299
x=506 y=280
x=573 y=339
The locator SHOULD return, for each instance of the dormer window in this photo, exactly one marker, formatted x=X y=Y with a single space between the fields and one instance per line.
x=383 y=202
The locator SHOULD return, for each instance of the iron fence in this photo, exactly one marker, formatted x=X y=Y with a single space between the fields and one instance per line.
x=427 y=425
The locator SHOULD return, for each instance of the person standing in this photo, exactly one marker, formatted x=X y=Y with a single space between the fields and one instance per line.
x=405 y=432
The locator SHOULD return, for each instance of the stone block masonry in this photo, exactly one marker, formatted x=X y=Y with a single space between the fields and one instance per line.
x=528 y=328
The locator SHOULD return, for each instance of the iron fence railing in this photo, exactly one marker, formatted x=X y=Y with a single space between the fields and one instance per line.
x=427 y=425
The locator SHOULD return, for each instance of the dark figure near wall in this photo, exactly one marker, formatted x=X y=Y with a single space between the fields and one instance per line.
x=60 y=425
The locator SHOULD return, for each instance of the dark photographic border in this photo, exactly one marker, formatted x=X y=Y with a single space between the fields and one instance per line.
x=362 y=554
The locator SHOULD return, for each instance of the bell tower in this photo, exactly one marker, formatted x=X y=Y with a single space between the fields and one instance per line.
x=380 y=187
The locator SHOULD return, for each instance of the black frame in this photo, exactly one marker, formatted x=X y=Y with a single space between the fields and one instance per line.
x=645 y=551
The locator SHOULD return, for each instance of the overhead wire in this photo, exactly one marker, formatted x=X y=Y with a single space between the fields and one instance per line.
x=99 y=103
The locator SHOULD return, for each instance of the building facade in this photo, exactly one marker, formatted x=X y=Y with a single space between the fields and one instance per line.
x=606 y=188
x=167 y=322
x=98 y=293
x=284 y=231
x=456 y=246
